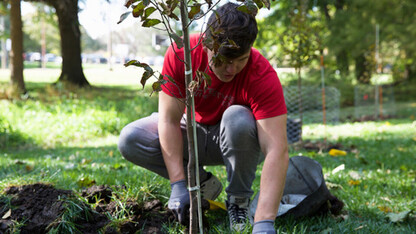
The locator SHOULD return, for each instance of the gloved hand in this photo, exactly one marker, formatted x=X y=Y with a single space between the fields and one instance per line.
x=264 y=227
x=179 y=201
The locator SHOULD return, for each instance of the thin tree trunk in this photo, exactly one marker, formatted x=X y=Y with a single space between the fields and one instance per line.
x=192 y=182
x=16 y=35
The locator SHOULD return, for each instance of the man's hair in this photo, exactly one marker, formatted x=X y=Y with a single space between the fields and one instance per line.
x=234 y=25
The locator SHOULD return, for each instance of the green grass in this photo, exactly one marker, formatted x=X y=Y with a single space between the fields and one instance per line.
x=69 y=138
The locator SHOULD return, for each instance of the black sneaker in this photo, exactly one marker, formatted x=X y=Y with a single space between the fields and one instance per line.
x=238 y=208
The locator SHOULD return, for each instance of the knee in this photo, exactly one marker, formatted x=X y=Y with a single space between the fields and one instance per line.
x=239 y=120
x=238 y=127
x=126 y=142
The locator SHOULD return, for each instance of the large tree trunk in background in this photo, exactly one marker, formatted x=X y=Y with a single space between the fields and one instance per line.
x=343 y=63
x=16 y=35
x=362 y=70
x=67 y=11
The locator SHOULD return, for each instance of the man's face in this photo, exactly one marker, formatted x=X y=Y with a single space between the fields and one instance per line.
x=229 y=68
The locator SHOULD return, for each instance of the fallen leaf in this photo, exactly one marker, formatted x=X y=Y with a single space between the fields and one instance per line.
x=385 y=209
x=338 y=168
x=354 y=182
x=111 y=153
x=385 y=199
x=387 y=123
x=85 y=182
x=8 y=214
x=398 y=217
x=18 y=162
x=360 y=227
x=85 y=161
x=29 y=168
x=336 y=152
x=326 y=231
x=330 y=185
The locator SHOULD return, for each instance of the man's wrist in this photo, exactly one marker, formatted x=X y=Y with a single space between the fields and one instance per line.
x=264 y=227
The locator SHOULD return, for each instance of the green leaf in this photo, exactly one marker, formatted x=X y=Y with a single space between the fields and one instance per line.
x=148 y=12
x=266 y=3
x=146 y=75
x=178 y=40
x=207 y=78
x=157 y=86
x=259 y=3
x=138 y=10
x=195 y=9
x=150 y=22
x=124 y=16
x=137 y=64
x=249 y=7
x=395 y=218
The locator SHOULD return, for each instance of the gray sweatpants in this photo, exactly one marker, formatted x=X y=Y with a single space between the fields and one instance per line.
x=233 y=142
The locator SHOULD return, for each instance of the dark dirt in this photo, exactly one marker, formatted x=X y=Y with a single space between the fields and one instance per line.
x=41 y=207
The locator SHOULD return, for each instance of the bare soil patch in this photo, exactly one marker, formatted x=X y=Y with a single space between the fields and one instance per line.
x=42 y=207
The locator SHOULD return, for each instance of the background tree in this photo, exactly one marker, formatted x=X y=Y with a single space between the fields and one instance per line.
x=16 y=35
x=67 y=12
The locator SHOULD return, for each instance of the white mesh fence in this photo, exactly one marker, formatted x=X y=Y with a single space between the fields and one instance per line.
x=306 y=106
x=374 y=101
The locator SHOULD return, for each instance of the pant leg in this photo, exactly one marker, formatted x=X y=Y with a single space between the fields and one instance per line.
x=139 y=144
x=240 y=149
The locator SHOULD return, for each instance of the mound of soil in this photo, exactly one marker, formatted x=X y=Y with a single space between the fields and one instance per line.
x=41 y=207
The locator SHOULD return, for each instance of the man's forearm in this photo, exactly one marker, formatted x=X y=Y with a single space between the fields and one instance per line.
x=171 y=143
x=272 y=184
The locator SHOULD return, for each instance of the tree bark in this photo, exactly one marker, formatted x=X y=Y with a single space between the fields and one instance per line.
x=16 y=35
x=67 y=12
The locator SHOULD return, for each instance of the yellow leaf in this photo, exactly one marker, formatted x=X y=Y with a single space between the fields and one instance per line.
x=354 y=182
x=412 y=117
x=111 y=153
x=385 y=209
x=414 y=138
x=214 y=205
x=85 y=182
x=387 y=123
x=29 y=167
x=336 y=152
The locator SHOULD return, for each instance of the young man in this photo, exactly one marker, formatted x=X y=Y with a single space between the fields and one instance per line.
x=241 y=121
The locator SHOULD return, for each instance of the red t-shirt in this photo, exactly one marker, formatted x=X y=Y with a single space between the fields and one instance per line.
x=256 y=86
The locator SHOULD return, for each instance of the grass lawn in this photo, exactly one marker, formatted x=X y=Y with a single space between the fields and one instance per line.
x=69 y=138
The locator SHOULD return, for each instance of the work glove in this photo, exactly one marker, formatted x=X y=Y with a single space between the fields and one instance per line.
x=179 y=201
x=264 y=227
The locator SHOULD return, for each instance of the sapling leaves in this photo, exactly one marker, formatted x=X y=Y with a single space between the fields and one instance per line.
x=249 y=7
x=148 y=12
x=124 y=16
x=178 y=40
x=129 y=2
x=148 y=70
x=204 y=77
x=150 y=22
x=138 y=10
x=195 y=10
x=266 y=3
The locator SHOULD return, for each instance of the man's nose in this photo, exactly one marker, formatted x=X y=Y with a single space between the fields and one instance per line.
x=231 y=68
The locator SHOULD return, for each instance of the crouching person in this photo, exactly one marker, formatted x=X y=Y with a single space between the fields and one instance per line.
x=241 y=122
